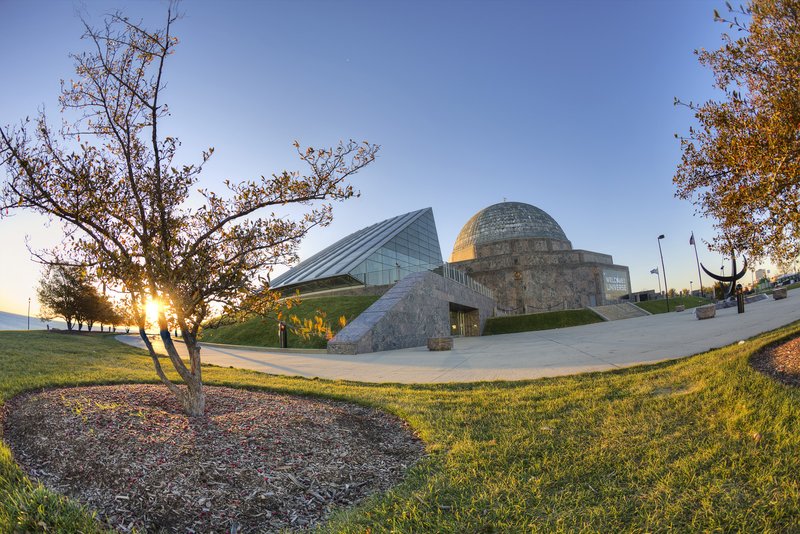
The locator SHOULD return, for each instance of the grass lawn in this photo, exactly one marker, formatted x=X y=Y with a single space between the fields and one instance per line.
x=700 y=444
x=660 y=306
x=539 y=321
x=262 y=333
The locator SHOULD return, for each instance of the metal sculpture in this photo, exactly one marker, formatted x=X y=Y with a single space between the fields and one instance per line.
x=731 y=292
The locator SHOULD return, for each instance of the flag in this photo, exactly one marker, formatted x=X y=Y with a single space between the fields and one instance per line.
x=654 y=271
x=691 y=239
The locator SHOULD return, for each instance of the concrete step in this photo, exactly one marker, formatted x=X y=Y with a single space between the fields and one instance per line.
x=616 y=312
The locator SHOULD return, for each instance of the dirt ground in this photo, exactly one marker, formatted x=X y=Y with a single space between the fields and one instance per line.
x=258 y=462
x=781 y=362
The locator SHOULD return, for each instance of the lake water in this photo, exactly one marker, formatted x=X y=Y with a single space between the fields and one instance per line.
x=13 y=321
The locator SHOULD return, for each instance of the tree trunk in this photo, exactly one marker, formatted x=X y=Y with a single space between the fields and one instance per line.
x=194 y=398
x=194 y=402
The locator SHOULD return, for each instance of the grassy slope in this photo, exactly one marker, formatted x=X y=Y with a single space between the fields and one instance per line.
x=539 y=321
x=264 y=333
x=698 y=444
x=660 y=306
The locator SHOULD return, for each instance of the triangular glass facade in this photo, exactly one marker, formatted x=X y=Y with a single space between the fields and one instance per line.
x=377 y=255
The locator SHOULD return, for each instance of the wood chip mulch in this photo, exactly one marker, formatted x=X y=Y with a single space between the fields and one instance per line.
x=781 y=362
x=257 y=462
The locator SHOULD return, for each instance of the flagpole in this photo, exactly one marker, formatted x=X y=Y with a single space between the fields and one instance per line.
x=655 y=272
x=698 y=264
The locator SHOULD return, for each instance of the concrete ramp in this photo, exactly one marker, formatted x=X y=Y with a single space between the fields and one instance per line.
x=616 y=312
x=415 y=309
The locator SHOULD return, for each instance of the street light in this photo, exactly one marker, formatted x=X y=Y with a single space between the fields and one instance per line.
x=690 y=288
x=663 y=271
x=29 y=313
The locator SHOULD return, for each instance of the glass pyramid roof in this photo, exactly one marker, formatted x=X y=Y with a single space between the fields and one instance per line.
x=376 y=255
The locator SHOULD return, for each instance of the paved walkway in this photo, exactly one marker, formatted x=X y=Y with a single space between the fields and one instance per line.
x=595 y=347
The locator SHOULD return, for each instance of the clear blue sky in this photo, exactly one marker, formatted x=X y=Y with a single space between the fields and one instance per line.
x=564 y=105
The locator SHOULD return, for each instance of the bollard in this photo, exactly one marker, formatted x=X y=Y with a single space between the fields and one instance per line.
x=282 y=335
x=739 y=298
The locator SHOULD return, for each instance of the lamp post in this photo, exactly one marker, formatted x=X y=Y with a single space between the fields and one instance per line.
x=697 y=260
x=663 y=271
x=690 y=289
x=29 y=313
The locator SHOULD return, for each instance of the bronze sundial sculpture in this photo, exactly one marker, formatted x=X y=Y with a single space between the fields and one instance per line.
x=732 y=278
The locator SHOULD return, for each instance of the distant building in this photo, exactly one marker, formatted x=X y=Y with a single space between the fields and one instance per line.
x=650 y=294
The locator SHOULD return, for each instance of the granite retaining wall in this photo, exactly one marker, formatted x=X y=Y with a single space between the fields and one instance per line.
x=415 y=309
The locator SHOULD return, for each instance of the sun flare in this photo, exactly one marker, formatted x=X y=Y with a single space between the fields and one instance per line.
x=151 y=310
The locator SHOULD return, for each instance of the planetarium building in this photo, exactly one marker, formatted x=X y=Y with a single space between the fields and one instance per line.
x=524 y=256
x=509 y=258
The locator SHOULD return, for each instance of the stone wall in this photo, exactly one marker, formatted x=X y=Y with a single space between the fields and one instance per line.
x=538 y=275
x=415 y=309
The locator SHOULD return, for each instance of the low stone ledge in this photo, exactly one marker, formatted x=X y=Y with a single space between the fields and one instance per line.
x=705 y=312
x=348 y=348
x=680 y=308
x=779 y=294
x=440 y=343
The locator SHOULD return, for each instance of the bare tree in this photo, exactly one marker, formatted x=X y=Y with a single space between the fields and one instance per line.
x=111 y=177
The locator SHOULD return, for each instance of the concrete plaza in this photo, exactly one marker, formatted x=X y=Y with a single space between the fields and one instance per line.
x=595 y=347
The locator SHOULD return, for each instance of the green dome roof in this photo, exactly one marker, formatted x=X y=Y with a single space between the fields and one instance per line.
x=503 y=221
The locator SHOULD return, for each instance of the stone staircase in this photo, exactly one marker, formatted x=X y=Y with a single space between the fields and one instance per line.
x=616 y=312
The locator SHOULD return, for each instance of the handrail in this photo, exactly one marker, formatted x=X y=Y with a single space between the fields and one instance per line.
x=464 y=279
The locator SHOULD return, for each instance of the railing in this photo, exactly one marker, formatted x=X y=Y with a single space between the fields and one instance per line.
x=393 y=275
x=463 y=278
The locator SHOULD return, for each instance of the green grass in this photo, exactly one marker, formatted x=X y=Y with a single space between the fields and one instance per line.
x=700 y=444
x=264 y=333
x=539 y=321
x=660 y=306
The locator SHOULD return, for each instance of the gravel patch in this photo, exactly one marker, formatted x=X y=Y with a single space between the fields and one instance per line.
x=257 y=462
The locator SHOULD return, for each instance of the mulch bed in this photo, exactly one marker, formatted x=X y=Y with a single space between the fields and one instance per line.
x=781 y=362
x=258 y=462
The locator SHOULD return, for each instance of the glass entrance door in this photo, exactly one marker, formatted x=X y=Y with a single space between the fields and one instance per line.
x=464 y=321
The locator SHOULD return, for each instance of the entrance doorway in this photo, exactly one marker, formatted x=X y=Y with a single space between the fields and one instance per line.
x=464 y=321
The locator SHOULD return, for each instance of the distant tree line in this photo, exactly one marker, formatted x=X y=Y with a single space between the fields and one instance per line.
x=69 y=293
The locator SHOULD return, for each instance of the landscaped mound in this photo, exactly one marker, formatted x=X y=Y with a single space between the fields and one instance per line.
x=510 y=324
x=257 y=462
x=264 y=332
